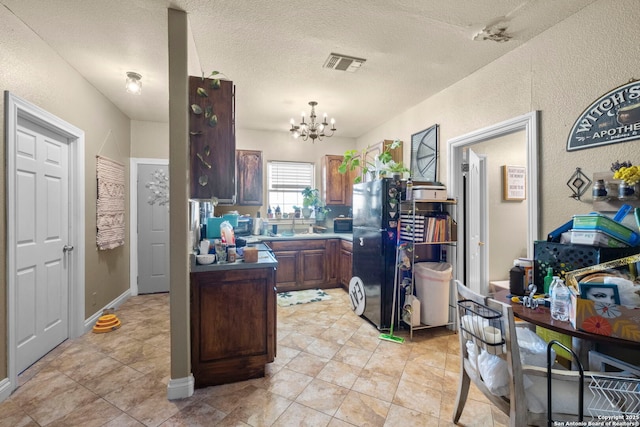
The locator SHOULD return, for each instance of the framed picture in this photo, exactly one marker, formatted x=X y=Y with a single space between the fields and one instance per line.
x=600 y=292
x=513 y=182
x=424 y=155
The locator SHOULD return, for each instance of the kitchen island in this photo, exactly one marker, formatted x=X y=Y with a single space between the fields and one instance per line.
x=233 y=320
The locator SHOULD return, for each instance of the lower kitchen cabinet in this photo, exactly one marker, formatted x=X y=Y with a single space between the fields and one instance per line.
x=333 y=262
x=346 y=262
x=302 y=264
x=233 y=324
x=311 y=263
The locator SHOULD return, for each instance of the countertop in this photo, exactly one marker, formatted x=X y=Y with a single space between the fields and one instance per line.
x=265 y=257
x=299 y=236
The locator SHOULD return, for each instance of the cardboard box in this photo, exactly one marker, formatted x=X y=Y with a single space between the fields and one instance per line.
x=601 y=318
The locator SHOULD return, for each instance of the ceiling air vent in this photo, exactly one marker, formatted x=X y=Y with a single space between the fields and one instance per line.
x=339 y=62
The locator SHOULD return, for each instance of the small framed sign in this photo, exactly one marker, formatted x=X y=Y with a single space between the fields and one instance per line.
x=513 y=182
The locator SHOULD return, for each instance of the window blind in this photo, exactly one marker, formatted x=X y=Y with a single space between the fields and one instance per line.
x=290 y=176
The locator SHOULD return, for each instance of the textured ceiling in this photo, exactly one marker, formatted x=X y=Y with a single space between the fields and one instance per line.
x=274 y=51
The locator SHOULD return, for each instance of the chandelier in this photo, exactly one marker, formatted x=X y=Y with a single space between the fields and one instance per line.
x=312 y=129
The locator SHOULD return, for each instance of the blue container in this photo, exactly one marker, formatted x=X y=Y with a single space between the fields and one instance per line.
x=213 y=227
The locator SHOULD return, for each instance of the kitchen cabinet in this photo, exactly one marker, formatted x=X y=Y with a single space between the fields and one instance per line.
x=212 y=140
x=337 y=187
x=346 y=262
x=233 y=324
x=302 y=264
x=333 y=262
x=249 y=166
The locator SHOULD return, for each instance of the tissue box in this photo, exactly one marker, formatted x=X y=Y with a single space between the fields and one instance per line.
x=611 y=320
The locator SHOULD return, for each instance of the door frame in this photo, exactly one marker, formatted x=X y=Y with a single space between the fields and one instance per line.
x=455 y=154
x=133 y=214
x=17 y=107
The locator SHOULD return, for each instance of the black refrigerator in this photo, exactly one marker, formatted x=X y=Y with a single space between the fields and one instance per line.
x=376 y=206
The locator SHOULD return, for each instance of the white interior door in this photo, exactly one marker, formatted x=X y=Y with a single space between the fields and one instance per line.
x=42 y=235
x=473 y=258
x=153 y=229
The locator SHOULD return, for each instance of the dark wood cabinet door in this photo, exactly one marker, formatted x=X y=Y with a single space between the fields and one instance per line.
x=233 y=325
x=335 y=183
x=249 y=165
x=346 y=262
x=288 y=270
x=332 y=262
x=212 y=140
x=312 y=267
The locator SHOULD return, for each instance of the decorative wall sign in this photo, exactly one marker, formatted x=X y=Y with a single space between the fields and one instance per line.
x=424 y=155
x=613 y=118
x=513 y=182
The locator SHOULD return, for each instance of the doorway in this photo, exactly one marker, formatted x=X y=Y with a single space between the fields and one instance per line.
x=150 y=237
x=45 y=233
x=528 y=124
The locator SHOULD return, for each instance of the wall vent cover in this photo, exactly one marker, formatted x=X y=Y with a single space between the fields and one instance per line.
x=339 y=62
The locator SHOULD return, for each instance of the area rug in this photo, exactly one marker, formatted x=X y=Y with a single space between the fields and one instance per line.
x=286 y=299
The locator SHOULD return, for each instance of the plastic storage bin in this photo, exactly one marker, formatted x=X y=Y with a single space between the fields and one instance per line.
x=563 y=257
x=432 y=280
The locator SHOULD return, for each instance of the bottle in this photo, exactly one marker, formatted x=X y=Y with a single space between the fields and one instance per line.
x=409 y=194
x=560 y=300
x=278 y=212
x=269 y=212
x=517 y=280
x=547 y=280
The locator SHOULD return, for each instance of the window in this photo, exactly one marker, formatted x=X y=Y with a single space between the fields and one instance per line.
x=286 y=180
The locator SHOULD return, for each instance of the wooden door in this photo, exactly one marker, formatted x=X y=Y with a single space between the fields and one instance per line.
x=312 y=267
x=332 y=262
x=249 y=166
x=335 y=183
x=288 y=270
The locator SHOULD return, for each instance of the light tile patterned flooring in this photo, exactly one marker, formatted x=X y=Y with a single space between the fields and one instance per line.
x=331 y=370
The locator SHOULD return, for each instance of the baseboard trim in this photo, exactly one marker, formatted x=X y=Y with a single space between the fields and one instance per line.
x=91 y=321
x=180 y=388
x=5 y=389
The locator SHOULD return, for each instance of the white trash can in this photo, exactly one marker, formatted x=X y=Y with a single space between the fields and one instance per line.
x=432 y=280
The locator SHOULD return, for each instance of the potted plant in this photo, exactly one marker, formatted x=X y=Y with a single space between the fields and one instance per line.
x=382 y=164
x=310 y=199
x=321 y=211
x=296 y=211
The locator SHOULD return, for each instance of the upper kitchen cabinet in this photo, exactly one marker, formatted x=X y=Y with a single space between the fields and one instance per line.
x=249 y=164
x=212 y=147
x=337 y=187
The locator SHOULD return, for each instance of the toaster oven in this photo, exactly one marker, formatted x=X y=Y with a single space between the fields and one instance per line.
x=343 y=225
x=244 y=227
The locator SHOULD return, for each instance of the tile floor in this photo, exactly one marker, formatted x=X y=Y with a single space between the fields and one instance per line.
x=331 y=370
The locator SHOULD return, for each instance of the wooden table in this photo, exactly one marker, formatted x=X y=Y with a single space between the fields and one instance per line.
x=582 y=341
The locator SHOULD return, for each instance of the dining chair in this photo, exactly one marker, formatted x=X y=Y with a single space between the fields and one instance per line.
x=524 y=397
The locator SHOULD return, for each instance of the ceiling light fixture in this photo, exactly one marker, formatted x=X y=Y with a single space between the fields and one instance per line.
x=133 y=84
x=314 y=130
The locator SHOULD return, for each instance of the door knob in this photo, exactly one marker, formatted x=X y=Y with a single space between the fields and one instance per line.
x=67 y=248
x=480 y=243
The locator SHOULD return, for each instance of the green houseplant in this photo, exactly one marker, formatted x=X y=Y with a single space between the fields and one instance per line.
x=381 y=164
x=310 y=199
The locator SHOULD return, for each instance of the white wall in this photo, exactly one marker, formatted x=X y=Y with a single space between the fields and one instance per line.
x=560 y=72
x=149 y=140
